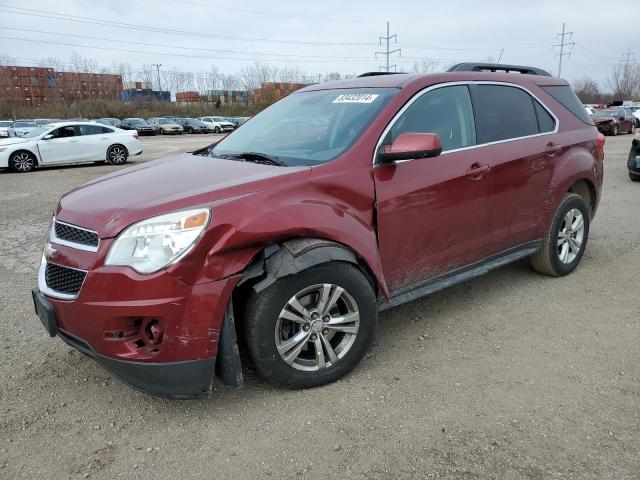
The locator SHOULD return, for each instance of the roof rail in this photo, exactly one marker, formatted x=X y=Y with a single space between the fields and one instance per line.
x=497 y=67
x=375 y=74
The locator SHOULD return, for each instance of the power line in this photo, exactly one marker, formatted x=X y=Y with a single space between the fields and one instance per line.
x=562 y=45
x=168 y=54
x=133 y=26
x=119 y=40
x=388 y=52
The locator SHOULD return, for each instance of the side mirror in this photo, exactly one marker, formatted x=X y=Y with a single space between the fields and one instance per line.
x=411 y=145
x=48 y=136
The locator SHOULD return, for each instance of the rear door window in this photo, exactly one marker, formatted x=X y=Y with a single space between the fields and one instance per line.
x=90 y=129
x=504 y=112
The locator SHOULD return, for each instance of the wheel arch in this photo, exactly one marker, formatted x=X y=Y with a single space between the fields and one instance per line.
x=293 y=255
x=26 y=150
x=587 y=190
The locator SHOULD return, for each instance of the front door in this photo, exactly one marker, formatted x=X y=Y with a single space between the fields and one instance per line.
x=432 y=214
x=61 y=148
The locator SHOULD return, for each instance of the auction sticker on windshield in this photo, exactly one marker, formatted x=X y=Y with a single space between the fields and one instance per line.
x=356 y=98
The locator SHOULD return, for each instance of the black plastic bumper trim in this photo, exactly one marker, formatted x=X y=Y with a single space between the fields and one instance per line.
x=187 y=379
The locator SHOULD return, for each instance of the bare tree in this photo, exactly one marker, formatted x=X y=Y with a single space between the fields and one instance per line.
x=624 y=81
x=426 y=65
x=587 y=90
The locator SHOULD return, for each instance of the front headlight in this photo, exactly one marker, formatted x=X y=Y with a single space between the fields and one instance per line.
x=157 y=242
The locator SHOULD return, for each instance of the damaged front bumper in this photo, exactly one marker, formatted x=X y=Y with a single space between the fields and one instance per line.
x=154 y=333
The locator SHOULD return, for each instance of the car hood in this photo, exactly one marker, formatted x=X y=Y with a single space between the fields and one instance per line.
x=111 y=203
x=13 y=140
x=170 y=125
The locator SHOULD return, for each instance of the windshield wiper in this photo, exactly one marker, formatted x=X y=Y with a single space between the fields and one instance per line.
x=257 y=157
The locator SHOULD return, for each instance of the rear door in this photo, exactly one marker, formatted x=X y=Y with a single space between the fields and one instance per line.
x=519 y=145
x=432 y=214
x=93 y=142
x=62 y=147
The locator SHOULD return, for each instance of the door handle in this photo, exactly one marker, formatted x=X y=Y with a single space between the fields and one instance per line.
x=73 y=141
x=476 y=170
x=552 y=148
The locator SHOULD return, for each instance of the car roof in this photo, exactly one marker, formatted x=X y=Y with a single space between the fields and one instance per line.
x=402 y=80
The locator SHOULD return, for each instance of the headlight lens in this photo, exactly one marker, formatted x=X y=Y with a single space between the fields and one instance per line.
x=157 y=242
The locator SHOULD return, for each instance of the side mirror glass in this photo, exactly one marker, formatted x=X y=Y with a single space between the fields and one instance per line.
x=409 y=146
x=48 y=136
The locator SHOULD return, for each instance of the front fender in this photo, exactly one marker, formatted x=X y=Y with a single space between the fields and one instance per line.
x=334 y=208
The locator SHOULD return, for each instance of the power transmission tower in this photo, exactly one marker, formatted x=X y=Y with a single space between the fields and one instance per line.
x=387 y=53
x=158 y=65
x=626 y=58
x=562 y=46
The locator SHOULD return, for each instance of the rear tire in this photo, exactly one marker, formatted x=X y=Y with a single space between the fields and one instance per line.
x=323 y=344
x=566 y=241
x=22 y=162
x=117 y=155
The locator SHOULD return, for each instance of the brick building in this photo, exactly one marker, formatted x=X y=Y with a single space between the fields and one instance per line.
x=35 y=86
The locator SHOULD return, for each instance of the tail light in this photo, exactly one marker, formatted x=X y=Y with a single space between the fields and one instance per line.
x=600 y=146
x=136 y=136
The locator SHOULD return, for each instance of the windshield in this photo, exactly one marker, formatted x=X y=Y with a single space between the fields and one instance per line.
x=24 y=124
x=36 y=132
x=308 y=128
x=137 y=121
x=164 y=122
x=5 y=124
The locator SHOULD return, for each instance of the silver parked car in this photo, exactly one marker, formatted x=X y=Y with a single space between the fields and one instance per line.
x=4 y=127
x=20 y=128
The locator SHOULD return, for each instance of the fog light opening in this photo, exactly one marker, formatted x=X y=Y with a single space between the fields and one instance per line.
x=153 y=332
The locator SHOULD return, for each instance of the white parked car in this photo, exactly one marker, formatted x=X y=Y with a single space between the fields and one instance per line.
x=218 y=124
x=68 y=142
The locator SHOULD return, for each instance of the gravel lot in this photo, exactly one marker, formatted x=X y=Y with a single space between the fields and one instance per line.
x=509 y=376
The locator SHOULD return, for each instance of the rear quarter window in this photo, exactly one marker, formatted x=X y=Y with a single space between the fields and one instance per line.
x=569 y=100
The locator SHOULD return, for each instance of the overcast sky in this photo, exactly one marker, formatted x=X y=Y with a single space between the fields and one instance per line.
x=321 y=36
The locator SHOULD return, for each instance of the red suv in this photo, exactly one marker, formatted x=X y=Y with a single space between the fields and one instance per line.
x=291 y=234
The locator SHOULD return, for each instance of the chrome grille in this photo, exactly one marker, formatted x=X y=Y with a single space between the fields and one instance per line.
x=72 y=234
x=64 y=279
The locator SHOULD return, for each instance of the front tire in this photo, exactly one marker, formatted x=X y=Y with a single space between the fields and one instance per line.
x=22 y=162
x=614 y=131
x=567 y=238
x=311 y=328
x=216 y=130
x=117 y=155
x=635 y=177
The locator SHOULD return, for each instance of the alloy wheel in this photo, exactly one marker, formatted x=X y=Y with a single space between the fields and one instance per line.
x=22 y=162
x=117 y=155
x=317 y=327
x=570 y=236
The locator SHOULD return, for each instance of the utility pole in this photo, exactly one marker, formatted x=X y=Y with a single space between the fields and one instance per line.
x=388 y=52
x=158 y=65
x=562 y=46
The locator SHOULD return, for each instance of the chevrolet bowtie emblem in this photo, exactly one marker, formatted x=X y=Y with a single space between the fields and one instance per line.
x=49 y=251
